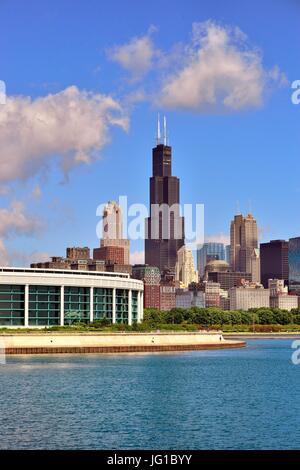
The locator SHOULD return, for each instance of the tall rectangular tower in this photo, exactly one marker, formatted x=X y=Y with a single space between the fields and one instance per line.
x=164 y=233
x=274 y=261
x=113 y=247
x=243 y=240
x=294 y=265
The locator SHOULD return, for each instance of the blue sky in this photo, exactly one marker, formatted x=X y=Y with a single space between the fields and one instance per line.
x=245 y=151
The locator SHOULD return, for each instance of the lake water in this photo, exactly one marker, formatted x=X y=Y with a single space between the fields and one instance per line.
x=224 y=399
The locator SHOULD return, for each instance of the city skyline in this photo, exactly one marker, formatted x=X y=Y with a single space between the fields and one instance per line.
x=149 y=237
x=164 y=232
x=40 y=216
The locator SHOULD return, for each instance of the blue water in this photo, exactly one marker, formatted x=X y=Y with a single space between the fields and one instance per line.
x=225 y=399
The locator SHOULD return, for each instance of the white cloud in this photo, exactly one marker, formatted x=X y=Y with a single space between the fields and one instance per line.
x=136 y=56
x=38 y=256
x=71 y=126
x=131 y=99
x=218 y=70
x=138 y=257
x=19 y=258
x=218 y=238
x=4 y=255
x=15 y=221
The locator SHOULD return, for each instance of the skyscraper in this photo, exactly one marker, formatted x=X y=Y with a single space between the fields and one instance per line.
x=113 y=247
x=185 y=267
x=150 y=276
x=164 y=233
x=227 y=253
x=274 y=263
x=255 y=265
x=209 y=252
x=243 y=240
x=294 y=265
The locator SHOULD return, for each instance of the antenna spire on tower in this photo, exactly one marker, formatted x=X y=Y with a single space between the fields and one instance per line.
x=158 y=130
x=165 y=130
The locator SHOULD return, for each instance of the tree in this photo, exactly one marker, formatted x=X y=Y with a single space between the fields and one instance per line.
x=296 y=319
x=72 y=316
x=236 y=317
x=152 y=315
x=266 y=316
x=247 y=318
x=201 y=316
x=283 y=317
x=175 y=316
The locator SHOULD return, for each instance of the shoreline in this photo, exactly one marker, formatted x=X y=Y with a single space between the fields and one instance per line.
x=259 y=335
x=124 y=349
x=85 y=343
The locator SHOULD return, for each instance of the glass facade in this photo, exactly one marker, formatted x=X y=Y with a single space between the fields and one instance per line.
x=103 y=304
x=121 y=306
x=208 y=252
x=76 y=304
x=294 y=264
x=134 y=306
x=12 y=301
x=44 y=305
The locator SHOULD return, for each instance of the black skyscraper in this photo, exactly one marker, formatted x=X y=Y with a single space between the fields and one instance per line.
x=164 y=227
x=274 y=262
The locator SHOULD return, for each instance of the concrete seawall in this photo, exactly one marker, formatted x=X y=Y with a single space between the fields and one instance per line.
x=47 y=343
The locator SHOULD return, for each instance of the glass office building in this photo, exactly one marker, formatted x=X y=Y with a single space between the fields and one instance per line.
x=44 y=305
x=294 y=265
x=11 y=304
x=103 y=304
x=208 y=252
x=45 y=297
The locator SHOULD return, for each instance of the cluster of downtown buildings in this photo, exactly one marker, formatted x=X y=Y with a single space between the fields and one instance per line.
x=238 y=276
x=105 y=286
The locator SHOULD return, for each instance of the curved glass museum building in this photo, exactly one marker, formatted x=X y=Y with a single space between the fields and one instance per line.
x=45 y=297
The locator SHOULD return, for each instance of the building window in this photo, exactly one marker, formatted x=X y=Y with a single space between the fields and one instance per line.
x=134 y=305
x=76 y=304
x=12 y=301
x=121 y=306
x=44 y=305
x=103 y=304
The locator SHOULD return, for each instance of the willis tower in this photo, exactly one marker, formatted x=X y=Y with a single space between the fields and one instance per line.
x=165 y=226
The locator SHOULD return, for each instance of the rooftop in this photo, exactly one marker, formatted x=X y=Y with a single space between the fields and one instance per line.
x=63 y=271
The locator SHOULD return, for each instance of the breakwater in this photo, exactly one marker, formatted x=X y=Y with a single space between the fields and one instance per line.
x=58 y=343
